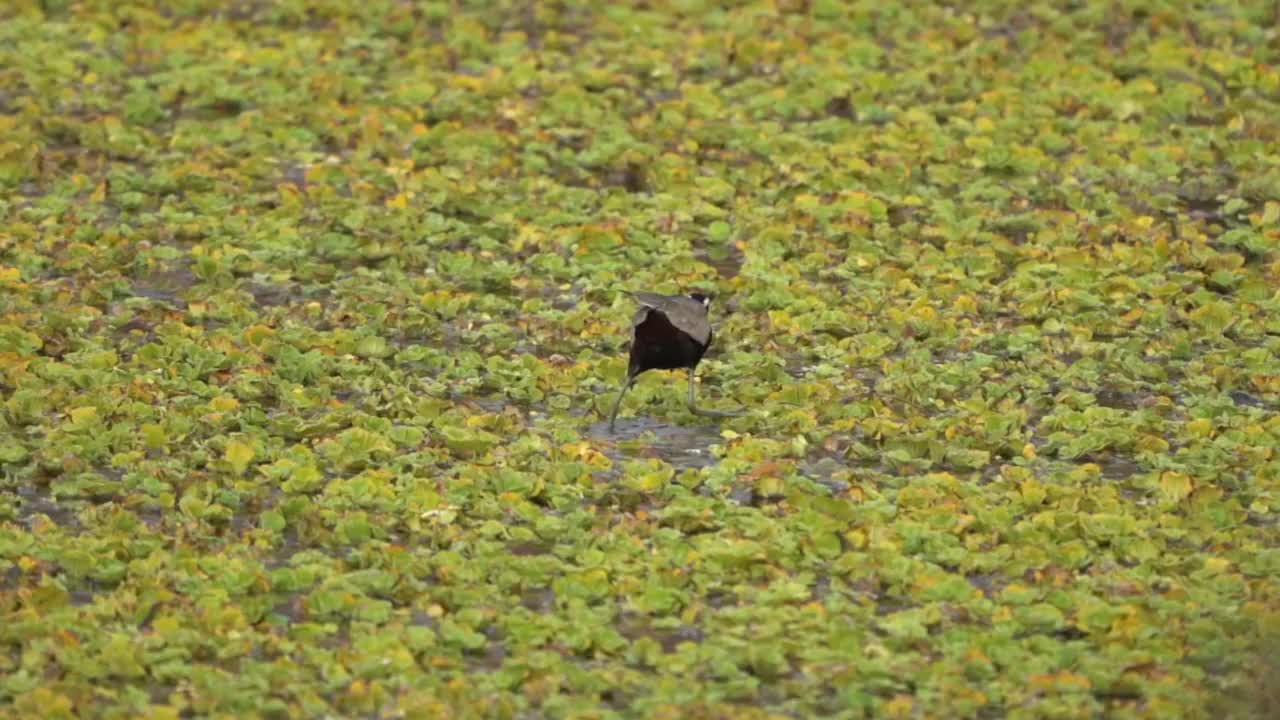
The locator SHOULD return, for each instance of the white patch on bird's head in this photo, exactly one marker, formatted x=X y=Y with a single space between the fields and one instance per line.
x=704 y=299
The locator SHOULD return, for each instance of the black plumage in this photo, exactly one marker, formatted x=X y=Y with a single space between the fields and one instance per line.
x=669 y=332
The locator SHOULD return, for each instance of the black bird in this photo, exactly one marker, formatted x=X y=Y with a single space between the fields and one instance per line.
x=669 y=332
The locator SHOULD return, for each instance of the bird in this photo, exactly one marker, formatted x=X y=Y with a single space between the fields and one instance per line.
x=669 y=332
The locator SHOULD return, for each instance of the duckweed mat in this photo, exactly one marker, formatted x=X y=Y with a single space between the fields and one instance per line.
x=309 y=312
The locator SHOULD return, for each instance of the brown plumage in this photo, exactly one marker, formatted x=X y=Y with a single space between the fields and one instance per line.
x=668 y=332
x=688 y=313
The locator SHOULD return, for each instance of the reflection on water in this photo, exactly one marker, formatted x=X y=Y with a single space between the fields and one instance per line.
x=684 y=447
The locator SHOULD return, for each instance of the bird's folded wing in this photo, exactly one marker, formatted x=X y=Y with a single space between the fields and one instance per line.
x=648 y=301
x=685 y=313
x=641 y=315
x=692 y=322
x=653 y=300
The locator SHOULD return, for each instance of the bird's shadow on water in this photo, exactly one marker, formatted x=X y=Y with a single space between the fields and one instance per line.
x=684 y=446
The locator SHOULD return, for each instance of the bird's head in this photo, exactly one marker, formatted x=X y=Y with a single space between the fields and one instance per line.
x=701 y=297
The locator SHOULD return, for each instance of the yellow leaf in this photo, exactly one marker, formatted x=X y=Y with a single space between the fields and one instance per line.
x=160 y=712
x=899 y=707
x=44 y=703
x=239 y=455
x=1033 y=493
x=882 y=538
x=1175 y=487
x=10 y=275
x=398 y=201
x=289 y=193
x=1133 y=315
x=1217 y=565
x=1151 y=443
x=224 y=403
x=1271 y=215
x=255 y=335
x=806 y=201
x=1059 y=681
x=1128 y=624
x=358 y=689
x=1267 y=383
x=1029 y=451
x=153 y=436
x=925 y=313
x=83 y=415
x=1200 y=427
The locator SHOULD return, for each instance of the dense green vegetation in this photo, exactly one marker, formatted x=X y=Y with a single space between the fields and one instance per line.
x=309 y=311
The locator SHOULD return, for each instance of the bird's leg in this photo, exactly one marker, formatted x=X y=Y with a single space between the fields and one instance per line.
x=613 y=415
x=693 y=407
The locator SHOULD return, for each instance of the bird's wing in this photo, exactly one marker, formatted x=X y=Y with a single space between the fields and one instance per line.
x=684 y=312
x=648 y=301
x=641 y=315
x=653 y=300
x=692 y=319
